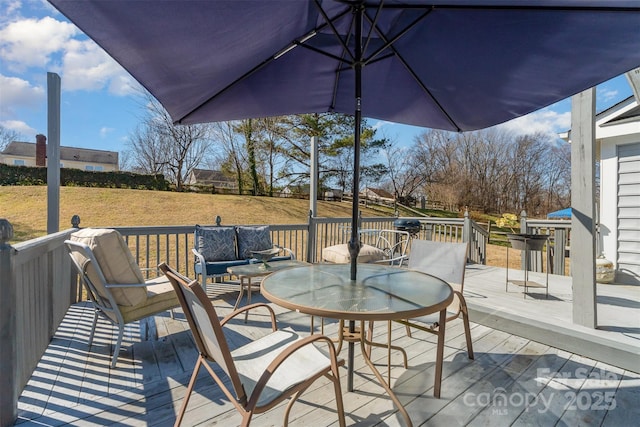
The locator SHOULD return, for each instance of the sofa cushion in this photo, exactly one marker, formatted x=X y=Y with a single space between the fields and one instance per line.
x=116 y=262
x=252 y=239
x=216 y=243
x=339 y=254
x=219 y=267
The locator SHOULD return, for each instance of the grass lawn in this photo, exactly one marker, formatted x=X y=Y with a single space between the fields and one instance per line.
x=26 y=209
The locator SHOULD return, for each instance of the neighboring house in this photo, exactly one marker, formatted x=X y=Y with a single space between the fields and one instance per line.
x=378 y=195
x=24 y=154
x=295 y=190
x=333 y=194
x=211 y=177
x=618 y=142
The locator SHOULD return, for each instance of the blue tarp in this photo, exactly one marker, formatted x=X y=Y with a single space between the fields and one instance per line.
x=562 y=213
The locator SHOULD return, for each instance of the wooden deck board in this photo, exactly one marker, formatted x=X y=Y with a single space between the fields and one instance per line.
x=514 y=380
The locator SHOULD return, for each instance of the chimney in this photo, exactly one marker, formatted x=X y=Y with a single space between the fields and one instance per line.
x=41 y=150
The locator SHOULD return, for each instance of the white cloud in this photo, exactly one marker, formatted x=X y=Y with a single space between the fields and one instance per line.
x=17 y=93
x=543 y=121
x=36 y=45
x=9 y=9
x=20 y=127
x=85 y=66
x=104 y=131
x=32 y=42
x=606 y=94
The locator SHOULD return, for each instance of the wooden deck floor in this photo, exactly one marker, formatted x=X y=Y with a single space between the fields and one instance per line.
x=512 y=381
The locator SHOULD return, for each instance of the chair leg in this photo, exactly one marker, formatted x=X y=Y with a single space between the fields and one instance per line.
x=187 y=395
x=93 y=327
x=338 y=390
x=467 y=328
x=287 y=411
x=116 y=351
x=408 y=329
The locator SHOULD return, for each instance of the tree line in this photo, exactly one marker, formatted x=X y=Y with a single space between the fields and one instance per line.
x=491 y=170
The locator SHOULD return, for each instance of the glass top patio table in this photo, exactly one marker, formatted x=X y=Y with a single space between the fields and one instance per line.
x=380 y=292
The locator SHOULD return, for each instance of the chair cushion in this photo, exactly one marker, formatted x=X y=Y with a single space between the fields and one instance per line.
x=339 y=254
x=160 y=297
x=216 y=243
x=252 y=239
x=117 y=263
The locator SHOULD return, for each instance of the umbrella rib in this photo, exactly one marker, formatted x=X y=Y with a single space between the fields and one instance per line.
x=374 y=23
x=389 y=44
x=329 y=22
x=292 y=45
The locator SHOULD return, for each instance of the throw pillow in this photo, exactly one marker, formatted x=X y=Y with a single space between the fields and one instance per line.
x=216 y=243
x=252 y=239
x=339 y=254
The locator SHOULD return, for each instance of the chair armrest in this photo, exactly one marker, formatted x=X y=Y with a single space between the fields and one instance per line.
x=199 y=257
x=393 y=261
x=125 y=285
x=230 y=316
x=286 y=251
x=288 y=352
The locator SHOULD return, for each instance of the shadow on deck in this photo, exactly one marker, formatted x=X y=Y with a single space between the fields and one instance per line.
x=518 y=377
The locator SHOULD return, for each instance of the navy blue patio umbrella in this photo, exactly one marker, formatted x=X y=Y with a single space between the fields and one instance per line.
x=456 y=65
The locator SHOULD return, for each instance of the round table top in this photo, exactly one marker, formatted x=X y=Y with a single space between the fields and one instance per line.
x=380 y=292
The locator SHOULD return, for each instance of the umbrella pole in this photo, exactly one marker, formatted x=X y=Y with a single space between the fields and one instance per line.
x=354 y=243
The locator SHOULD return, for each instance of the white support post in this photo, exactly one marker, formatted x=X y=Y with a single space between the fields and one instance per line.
x=313 y=181
x=633 y=77
x=53 y=153
x=583 y=243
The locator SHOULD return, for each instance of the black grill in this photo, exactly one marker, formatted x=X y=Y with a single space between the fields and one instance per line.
x=412 y=226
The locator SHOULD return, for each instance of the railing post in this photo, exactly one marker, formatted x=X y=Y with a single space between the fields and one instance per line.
x=8 y=355
x=311 y=241
x=76 y=288
x=467 y=235
x=523 y=230
x=558 y=253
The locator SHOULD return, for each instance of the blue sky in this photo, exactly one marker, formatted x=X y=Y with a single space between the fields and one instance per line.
x=99 y=103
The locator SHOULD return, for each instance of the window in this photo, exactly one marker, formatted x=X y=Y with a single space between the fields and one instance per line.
x=17 y=162
x=88 y=168
x=98 y=168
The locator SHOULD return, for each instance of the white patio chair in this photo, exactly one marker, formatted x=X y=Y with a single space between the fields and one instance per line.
x=447 y=261
x=114 y=283
x=262 y=373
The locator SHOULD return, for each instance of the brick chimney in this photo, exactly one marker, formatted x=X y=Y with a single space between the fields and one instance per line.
x=41 y=150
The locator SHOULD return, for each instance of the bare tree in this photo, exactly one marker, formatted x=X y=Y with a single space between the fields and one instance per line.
x=147 y=148
x=491 y=170
x=158 y=145
x=234 y=158
x=406 y=174
x=7 y=136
